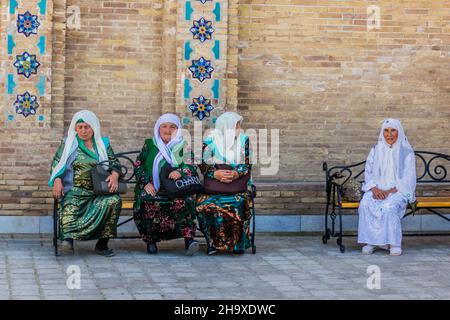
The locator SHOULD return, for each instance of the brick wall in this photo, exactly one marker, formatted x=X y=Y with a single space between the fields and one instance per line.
x=113 y=67
x=313 y=70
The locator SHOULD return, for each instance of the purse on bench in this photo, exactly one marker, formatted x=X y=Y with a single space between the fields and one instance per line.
x=351 y=189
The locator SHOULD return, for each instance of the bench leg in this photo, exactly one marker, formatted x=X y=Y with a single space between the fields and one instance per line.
x=333 y=221
x=55 y=226
x=253 y=227
x=326 y=235
x=339 y=239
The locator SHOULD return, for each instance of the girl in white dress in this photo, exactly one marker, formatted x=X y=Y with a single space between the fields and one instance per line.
x=390 y=183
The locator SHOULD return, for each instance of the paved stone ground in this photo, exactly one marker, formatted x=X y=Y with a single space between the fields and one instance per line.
x=285 y=267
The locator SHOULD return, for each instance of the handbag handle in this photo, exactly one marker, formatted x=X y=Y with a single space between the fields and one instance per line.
x=123 y=169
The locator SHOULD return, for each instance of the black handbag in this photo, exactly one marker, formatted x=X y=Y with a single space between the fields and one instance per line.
x=99 y=183
x=189 y=183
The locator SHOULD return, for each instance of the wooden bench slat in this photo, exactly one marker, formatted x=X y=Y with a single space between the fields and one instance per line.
x=422 y=202
x=127 y=204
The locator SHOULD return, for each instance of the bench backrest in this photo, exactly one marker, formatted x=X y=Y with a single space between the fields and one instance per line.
x=432 y=167
x=128 y=160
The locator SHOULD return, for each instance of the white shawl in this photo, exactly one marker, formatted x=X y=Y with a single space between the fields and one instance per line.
x=171 y=151
x=226 y=143
x=71 y=143
x=392 y=166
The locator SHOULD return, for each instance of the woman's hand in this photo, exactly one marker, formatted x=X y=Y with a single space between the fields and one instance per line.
x=225 y=176
x=378 y=194
x=175 y=175
x=150 y=189
x=113 y=181
x=58 y=189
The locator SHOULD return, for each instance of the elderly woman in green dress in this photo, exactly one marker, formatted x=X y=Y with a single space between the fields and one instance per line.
x=84 y=215
x=156 y=216
x=224 y=219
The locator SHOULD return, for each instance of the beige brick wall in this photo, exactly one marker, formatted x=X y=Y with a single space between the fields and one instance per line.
x=309 y=68
x=114 y=65
x=313 y=70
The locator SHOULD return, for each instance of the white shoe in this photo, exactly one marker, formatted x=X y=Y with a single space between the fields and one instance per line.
x=395 y=251
x=368 y=249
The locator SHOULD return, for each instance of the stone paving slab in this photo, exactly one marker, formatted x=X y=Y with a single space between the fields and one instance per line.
x=285 y=267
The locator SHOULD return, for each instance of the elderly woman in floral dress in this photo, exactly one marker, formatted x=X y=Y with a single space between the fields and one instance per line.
x=156 y=216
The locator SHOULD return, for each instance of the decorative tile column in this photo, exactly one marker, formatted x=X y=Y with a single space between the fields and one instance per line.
x=202 y=34
x=26 y=60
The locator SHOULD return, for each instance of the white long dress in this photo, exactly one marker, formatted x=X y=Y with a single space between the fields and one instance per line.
x=380 y=220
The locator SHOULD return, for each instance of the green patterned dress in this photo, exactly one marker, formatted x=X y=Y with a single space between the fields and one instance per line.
x=84 y=215
x=160 y=218
x=225 y=219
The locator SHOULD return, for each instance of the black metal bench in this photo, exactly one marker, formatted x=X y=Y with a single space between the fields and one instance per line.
x=431 y=169
x=128 y=170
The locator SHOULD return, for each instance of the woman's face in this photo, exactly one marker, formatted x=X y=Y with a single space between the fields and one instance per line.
x=390 y=135
x=167 y=130
x=84 y=131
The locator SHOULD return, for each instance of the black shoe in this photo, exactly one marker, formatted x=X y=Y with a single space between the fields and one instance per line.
x=238 y=251
x=211 y=251
x=107 y=252
x=191 y=247
x=152 y=248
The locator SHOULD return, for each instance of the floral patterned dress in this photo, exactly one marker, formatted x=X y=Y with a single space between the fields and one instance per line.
x=225 y=219
x=160 y=218
x=84 y=215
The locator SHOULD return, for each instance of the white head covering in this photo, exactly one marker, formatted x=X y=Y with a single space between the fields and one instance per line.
x=171 y=151
x=71 y=143
x=390 y=167
x=224 y=137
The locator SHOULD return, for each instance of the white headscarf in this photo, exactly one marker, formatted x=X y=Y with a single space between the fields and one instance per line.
x=390 y=167
x=171 y=151
x=226 y=143
x=71 y=143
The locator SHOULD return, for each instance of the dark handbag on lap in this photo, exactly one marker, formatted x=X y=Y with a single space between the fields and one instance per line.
x=189 y=183
x=214 y=186
x=99 y=183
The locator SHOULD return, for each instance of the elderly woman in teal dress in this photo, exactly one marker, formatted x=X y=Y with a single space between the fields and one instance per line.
x=84 y=215
x=225 y=219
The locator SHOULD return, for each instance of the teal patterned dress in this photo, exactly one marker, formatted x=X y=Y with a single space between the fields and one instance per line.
x=225 y=219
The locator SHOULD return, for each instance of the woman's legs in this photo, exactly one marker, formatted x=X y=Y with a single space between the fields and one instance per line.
x=102 y=248
x=166 y=219
x=380 y=222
